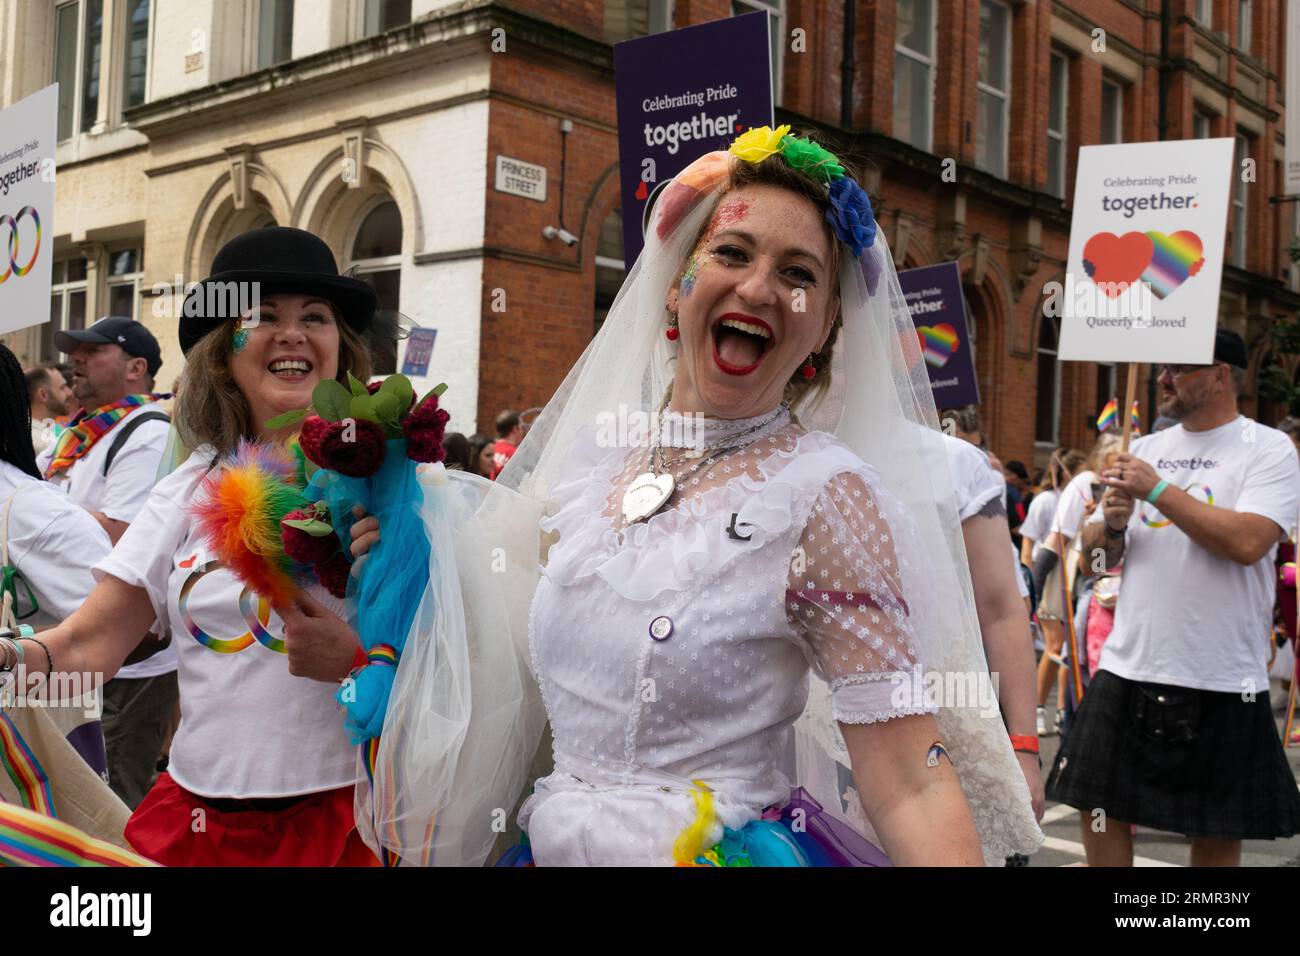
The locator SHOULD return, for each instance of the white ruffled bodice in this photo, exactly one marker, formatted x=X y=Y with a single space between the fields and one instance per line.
x=794 y=583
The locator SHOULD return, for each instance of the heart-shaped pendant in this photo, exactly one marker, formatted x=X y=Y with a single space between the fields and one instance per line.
x=645 y=496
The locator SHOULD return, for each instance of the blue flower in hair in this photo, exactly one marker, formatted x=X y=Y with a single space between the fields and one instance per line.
x=850 y=214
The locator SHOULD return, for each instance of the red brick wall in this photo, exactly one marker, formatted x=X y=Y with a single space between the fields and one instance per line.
x=551 y=307
x=549 y=287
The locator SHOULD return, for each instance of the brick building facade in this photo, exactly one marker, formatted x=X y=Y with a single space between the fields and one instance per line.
x=351 y=116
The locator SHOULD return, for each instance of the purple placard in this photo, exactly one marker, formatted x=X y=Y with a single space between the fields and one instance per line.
x=938 y=308
x=419 y=350
x=680 y=95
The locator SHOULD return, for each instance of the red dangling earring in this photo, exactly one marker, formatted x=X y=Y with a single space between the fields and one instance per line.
x=672 y=331
x=809 y=370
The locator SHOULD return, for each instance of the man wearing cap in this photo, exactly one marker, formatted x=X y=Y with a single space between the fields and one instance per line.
x=1176 y=731
x=107 y=460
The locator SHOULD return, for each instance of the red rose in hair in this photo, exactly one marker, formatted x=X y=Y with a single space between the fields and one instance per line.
x=424 y=428
x=326 y=444
x=333 y=574
x=303 y=547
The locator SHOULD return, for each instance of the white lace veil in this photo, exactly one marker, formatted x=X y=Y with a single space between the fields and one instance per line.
x=880 y=404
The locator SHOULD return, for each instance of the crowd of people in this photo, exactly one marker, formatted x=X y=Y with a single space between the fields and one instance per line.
x=722 y=633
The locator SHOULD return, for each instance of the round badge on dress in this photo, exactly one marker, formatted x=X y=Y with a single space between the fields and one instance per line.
x=661 y=628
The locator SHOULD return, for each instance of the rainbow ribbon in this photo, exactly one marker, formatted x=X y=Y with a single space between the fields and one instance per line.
x=28 y=838
x=385 y=655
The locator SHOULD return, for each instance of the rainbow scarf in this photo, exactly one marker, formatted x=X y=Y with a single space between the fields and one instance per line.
x=89 y=427
x=31 y=839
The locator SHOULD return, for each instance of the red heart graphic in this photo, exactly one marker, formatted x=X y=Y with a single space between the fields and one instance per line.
x=189 y=562
x=641 y=191
x=1116 y=262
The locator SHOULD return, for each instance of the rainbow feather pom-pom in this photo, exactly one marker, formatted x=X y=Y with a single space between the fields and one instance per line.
x=239 y=509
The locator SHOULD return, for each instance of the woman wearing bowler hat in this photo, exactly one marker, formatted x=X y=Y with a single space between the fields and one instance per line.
x=261 y=772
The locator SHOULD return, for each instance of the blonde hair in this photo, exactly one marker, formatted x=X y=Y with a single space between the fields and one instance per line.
x=1107 y=444
x=211 y=410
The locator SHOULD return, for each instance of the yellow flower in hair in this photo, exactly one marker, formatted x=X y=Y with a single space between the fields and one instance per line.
x=755 y=145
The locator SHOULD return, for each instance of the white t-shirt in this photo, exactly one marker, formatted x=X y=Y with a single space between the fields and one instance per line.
x=53 y=543
x=248 y=727
x=975 y=484
x=1186 y=617
x=120 y=496
x=1070 y=505
x=1038 y=521
x=973 y=479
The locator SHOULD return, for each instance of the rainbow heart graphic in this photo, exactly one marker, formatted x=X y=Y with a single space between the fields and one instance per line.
x=1163 y=261
x=938 y=342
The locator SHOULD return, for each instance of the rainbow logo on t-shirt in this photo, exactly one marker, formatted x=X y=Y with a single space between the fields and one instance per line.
x=1165 y=522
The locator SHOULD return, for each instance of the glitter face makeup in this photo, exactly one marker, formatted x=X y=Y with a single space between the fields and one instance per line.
x=729 y=213
x=239 y=340
x=688 y=276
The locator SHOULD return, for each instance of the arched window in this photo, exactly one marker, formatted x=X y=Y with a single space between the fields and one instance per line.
x=375 y=256
x=610 y=267
x=1047 y=416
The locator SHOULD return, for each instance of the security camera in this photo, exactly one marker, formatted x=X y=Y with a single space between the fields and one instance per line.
x=566 y=237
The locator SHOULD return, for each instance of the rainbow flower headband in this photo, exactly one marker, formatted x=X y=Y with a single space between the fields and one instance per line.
x=850 y=214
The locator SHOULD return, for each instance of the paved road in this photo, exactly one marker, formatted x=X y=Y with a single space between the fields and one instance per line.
x=1061 y=826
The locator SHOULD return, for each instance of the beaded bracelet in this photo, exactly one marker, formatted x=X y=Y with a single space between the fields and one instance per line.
x=49 y=658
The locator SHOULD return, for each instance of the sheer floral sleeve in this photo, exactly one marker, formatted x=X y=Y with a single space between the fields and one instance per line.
x=845 y=600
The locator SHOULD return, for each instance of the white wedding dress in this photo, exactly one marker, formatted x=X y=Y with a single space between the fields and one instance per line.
x=782 y=556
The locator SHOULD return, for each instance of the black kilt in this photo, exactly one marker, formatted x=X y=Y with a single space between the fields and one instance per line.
x=1197 y=762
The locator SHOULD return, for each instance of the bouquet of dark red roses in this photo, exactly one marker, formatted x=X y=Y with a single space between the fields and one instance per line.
x=366 y=444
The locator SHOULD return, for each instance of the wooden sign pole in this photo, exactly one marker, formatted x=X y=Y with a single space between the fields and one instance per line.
x=1125 y=410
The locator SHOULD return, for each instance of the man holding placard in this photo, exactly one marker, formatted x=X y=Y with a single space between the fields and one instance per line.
x=1176 y=731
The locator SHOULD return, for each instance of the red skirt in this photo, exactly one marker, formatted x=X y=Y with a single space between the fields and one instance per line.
x=176 y=828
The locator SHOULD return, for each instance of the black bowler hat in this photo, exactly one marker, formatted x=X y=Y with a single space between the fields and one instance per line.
x=278 y=259
x=1230 y=347
x=132 y=337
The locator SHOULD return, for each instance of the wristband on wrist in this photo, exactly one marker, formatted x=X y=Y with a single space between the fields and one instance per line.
x=49 y=658
x=1154 y=493
x=1022 y=743
x=9 y=648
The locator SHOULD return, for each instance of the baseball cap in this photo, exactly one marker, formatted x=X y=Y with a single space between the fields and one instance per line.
x=1230 y=347
x=133 y=338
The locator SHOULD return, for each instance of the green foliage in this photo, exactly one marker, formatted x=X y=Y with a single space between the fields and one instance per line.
x=331 y=400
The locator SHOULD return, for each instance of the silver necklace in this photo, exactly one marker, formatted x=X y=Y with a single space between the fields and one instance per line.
x=651 y=490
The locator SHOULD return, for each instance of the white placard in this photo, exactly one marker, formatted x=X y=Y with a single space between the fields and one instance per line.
x=27 y=137
x=1292 y=155
x=518 y=178
x=1146 y=252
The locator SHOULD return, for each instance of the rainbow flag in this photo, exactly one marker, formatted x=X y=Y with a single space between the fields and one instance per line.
x=1109 y=417
x=28 y=838
x=23 y=769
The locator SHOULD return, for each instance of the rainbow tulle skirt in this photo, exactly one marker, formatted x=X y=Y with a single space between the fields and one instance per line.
x=800 y=833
